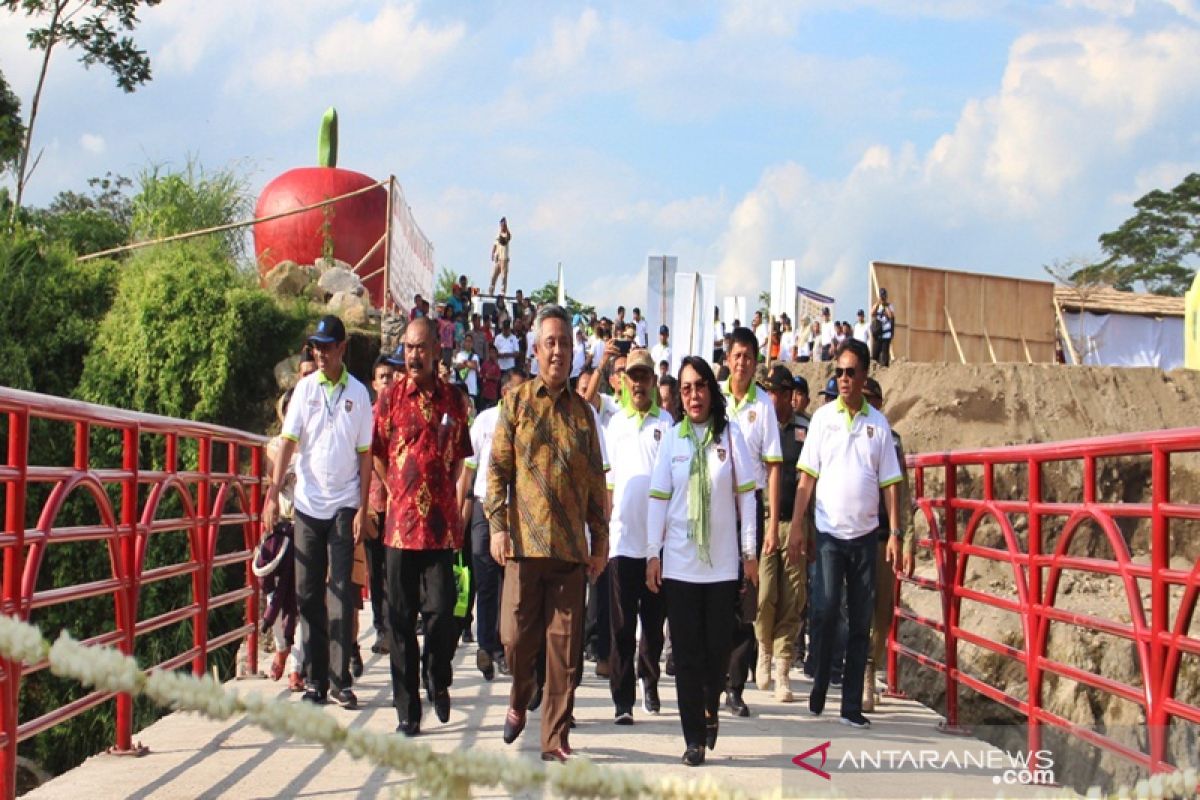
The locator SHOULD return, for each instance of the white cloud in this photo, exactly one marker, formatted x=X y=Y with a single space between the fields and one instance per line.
x=1165 y=175
x=92 y=143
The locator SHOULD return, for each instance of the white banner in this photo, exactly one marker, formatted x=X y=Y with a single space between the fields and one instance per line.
x=783 y=289
x=735 y=311
x=410 y=255
x=660 y=294
x=693 y=323
x=1127 y=340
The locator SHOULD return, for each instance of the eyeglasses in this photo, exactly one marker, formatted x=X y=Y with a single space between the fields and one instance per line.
x=847 y=372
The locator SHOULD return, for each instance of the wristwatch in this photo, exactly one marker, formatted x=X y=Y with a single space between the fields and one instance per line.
x=899 y=534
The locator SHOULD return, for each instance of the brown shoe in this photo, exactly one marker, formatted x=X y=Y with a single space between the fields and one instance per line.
x=514 y=723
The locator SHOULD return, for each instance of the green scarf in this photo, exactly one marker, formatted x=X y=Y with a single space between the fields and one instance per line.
x=699 y=491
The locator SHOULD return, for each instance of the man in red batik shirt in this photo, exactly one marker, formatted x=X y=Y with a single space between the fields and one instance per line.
x=421 y=438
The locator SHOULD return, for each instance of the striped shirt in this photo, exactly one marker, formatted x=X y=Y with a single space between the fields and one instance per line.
x=546 y=475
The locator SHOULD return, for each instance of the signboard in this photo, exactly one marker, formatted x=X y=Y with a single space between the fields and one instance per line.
x=809 y=305
x=692 y=326
x=410 y=266
x=660 y=293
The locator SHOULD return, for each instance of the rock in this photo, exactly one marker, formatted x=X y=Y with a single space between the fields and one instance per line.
x=323 y=265
x=354 y=309
x=287 y=372
x=288 y=279
x=337 y=279
x=392 y=330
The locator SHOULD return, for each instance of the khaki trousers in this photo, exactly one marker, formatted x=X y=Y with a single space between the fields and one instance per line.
x=781 y=595
x=885 y=593
x=542 y=605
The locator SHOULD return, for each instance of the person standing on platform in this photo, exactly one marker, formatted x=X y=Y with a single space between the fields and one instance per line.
x=545 y=482
x=422 y=436
x=848 y=456
x=756 y=421
x=328 y=423
x=488 y=574
x=633 y=437
x=883 y=328
x=500 y=259
x=700 y=524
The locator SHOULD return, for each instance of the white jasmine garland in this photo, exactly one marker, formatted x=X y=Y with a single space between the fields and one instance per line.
x=20 y=641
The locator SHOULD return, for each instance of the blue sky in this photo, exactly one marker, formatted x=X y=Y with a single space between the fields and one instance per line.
x=984 y=135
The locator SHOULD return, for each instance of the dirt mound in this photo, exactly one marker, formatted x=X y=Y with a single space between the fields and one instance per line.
x=940 y=407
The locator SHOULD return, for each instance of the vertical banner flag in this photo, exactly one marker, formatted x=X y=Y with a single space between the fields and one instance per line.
x=735 y=309
x=410 y=254
x=1191 y=325
x=562 y=288
x=660 y=294
x=693 y=324
x=783 y=289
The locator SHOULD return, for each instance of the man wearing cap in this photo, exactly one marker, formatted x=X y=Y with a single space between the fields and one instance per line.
x=885 y=585
x=883 y=323
x=633 y=436
x=662 y=351
x=756 y=419
x=781 y=584
x=848 y=457
x=862 y=331
x=420 y=440
x=329 y=424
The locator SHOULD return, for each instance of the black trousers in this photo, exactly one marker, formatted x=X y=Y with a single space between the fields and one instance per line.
x=420 y=580
x=629 y=601
x=489 y=579
x=882 y=350
x=849 y=567
x=745 y=643
x=597 y=628
x=701 y=617
x=324 y=560
x=376 y=572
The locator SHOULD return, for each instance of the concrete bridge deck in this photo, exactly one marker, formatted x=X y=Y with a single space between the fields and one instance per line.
x=192 y=757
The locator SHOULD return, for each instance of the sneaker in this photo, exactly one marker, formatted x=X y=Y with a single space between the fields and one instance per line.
x=315 y=696
x=737 y=706
x=467 y=636
x=762 y=670
x=835 y=679
x=356 y=662
x=856 y=720
x=624 y=717
x=344 y=698
x=380 y=647
x=650 y=700
x=693 y=756
x=483 y=662
x=501 y=664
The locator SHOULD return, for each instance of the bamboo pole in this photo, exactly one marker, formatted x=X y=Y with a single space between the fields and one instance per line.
x=374 y=249
x=1025 y=344
x=387 y=254
x=954 y=333
x=1066 y=334
x=178 y=237
x=988 y=339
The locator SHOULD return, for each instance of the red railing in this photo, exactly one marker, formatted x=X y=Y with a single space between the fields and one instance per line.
x=221 y=488
x=1037 y=565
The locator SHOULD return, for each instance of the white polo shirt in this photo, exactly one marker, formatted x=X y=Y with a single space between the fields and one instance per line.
x=609 y=407
x=756 y=418
x=507 y=349
x=481 y=443
x=640 y=334
x=659 y=353
x=667 y=516
x=852 y=457
x=331 y=424
x=634 y=441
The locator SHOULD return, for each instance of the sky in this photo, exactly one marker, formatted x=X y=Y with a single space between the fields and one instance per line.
x=986 y=135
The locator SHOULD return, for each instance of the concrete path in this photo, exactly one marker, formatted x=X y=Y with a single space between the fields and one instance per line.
x=190 y=757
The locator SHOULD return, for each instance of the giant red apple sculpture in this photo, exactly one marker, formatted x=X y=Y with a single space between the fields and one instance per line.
x=354 y=225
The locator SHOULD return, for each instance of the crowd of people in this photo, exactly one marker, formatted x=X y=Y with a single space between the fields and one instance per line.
x=537 y=483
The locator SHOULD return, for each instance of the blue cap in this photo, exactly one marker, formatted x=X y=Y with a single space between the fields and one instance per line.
x=329 y=330
x=831 y=389
x=396 y=359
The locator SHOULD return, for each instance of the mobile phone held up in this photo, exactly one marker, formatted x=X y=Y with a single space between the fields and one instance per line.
x=623 y=345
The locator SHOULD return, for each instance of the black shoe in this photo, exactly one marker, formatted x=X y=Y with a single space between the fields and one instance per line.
x=441 y=705
x=315 y=696
x=589 y=654
x=381 y=645
x=513 y=725
x=650 y=700
x=737 y=706
x=483 y=661
x=670 y=666
x=693 y=756
x=501 y=664
x=467 y=636
x=410 y=727
x=344 y=698
x=624 y=716
x=856 y=720
x=835 y=679
x=571 y=721
x=711 y=726
x=816 y=703
x=356 y=662
x=535 y=701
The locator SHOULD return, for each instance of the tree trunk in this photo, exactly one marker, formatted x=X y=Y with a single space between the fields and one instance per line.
x=22 y=165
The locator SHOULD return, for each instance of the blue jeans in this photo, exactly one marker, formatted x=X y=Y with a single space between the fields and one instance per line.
x=838 y=564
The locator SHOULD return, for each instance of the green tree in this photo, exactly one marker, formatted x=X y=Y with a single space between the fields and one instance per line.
x=549 y=294
x=444 y=287
x=87 y=221
x=177 y=201
x=1158 y=247
x=12 y=130
x=93 y=27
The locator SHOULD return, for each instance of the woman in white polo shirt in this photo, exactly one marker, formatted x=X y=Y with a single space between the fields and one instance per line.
x=701 y=520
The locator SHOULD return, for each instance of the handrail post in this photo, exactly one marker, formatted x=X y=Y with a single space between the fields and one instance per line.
x=252 y=603
x=14 y=566
x=131 y=586
x=1157 y=682
x=1035 y=646
x=949 y=585
x=202 y=578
